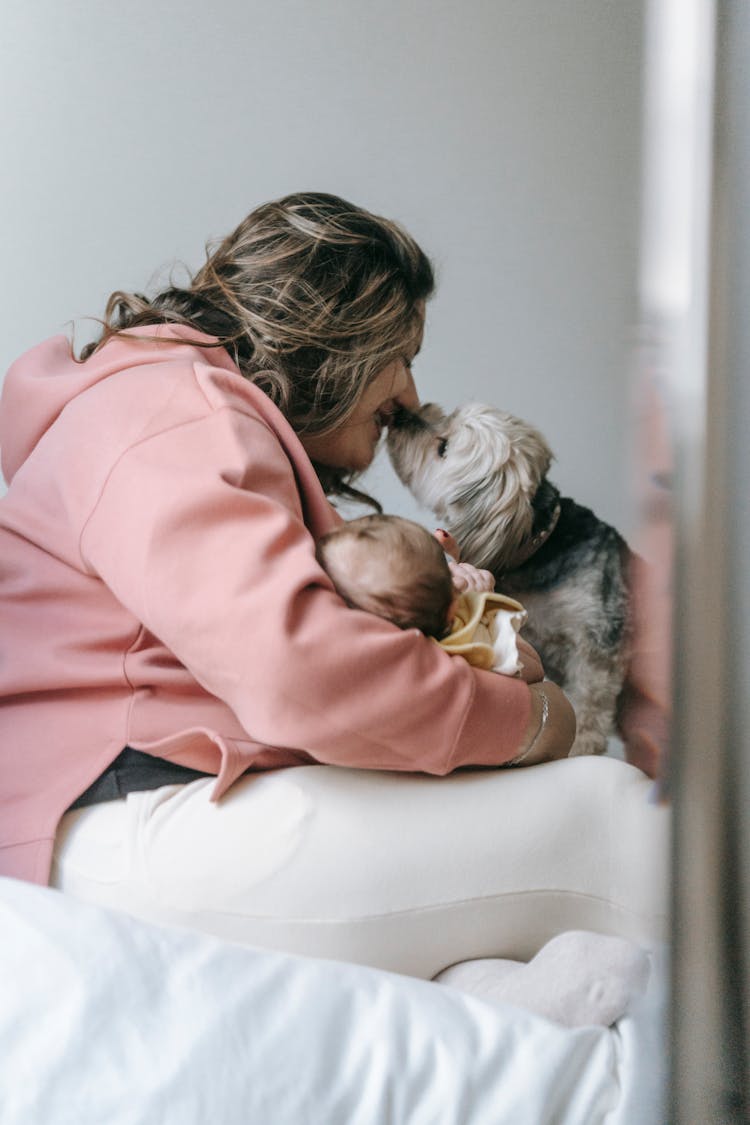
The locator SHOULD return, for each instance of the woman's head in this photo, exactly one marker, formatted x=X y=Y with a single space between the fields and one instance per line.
x=315 y=298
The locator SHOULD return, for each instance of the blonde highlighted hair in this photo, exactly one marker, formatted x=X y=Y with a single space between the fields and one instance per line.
x=312 y=297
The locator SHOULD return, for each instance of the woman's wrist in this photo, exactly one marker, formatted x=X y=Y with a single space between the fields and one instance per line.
x=540 y=728
x=551 y=726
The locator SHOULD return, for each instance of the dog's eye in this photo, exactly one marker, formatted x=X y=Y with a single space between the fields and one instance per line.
x=442 y=447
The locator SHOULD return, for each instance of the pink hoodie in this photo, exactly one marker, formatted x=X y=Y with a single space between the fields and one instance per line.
x=159 y=589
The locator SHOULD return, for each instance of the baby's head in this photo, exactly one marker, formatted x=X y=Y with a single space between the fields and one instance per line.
x=392 y=567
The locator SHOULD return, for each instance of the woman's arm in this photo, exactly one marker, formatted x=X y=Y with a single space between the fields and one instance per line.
x=199 y=532
x=531 y=666
x=551 y=727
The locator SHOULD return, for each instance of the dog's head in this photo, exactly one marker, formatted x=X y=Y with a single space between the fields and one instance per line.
x=479 y=470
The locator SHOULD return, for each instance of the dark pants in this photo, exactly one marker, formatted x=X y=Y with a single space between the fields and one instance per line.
x=133 y=771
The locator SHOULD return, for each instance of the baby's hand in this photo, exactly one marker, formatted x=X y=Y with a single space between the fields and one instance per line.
x=465 y=576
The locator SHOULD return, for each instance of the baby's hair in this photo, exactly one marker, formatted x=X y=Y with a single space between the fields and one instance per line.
x=414 y=588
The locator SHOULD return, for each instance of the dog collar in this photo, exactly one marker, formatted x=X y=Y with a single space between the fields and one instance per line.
x=536 y=542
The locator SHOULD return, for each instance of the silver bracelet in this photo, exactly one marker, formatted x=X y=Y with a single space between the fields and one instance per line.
x=545 y=715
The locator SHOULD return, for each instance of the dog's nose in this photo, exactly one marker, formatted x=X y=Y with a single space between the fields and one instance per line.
x=403 y=419
x=431 y=415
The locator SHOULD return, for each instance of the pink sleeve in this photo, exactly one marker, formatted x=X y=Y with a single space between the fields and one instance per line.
x=199 y=533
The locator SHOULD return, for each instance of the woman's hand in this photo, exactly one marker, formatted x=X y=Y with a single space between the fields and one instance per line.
x=531 y=666
x=465 y=576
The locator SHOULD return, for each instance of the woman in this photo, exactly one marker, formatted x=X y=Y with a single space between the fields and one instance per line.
x=164 y=610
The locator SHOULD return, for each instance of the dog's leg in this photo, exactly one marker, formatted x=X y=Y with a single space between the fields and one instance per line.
x=593 y=686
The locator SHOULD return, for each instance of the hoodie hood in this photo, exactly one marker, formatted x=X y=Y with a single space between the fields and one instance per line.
x=40 y=384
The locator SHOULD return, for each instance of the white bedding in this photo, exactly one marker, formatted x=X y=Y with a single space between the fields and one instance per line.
x=106 y=1020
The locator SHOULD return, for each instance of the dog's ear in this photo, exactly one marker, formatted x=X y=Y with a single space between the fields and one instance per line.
x=490 y=518
x=476 y=530
x=469 y=496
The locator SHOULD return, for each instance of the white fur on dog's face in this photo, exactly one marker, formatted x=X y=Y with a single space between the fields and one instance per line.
x=478 y=470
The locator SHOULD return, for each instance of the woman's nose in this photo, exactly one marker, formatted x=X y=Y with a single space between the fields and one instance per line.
x=408 y=397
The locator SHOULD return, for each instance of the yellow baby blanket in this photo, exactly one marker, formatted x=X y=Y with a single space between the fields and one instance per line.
x=484 y=631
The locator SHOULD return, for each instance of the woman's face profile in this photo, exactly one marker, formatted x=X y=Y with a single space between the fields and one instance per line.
x=352 y=445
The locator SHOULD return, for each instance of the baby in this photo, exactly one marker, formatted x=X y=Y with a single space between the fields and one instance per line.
x=396 y=569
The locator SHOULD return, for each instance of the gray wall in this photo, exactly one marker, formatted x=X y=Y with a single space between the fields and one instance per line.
x=503 y=133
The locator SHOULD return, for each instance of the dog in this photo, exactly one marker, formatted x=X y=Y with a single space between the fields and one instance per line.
x=483 y=473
